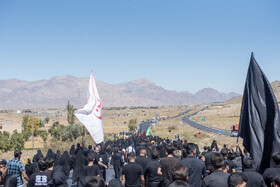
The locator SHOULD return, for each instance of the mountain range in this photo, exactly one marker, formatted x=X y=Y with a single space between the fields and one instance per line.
x=54 y=93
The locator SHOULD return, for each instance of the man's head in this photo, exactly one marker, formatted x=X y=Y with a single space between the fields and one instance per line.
x=90 y=147
x=96 y=149
x=50 y=162
x=248 y=163
x=143 y=152
x=90 y=157
x=3 y=163
x=217 y=161
x=179 y=173
x=237 y=154
x=276 y=158
x=131 y=157
x=94 y=181
x=78 y=145
x=169 y=150
x=277 y=181
x=226 y=166
x=224 y=152
x=17 y=154
x=237 y=180
x=155 y=154
x=191 y=149
x=42 y=164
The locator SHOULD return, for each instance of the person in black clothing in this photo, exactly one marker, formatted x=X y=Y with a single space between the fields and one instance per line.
x=50 y=163
x=218 y=178
x=29 y=167
x=40 y=178
x=116 y=161
x=179 y=176
x=142 y=159
x=254 y=178
x=65 y=163
x=78 y=168
x=50 y=154
x=270 y=174
x=214 y=146
x=196 y=167
x=151 y=171
x=72 y=157
x=237 y=180
x=91 y=169
x=37 y=156
x=208 y=160
x=167 y=164
x=224 y=152
x=132 y=173
x=78 y=148
x=57 y=158
x=58 y=177
x=104 y=160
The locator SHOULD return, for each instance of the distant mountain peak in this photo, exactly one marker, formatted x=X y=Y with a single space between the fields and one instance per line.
x=55 y=92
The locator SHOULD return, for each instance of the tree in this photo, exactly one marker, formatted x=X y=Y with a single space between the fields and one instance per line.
x=17 y=141
x=55 y=124
x=46 y=120
x=27 y=124
x=4 y=141
x=26 y=135
x=132 y=124
x=44 y=135
x=70 y=113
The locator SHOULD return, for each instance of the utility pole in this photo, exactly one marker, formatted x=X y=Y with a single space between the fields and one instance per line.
x=32 y=135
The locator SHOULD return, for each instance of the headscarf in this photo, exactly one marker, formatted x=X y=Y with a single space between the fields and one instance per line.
x=72 y=150
x=50 y=154
x=57 y=158
x=37 y=156
x=65 y=162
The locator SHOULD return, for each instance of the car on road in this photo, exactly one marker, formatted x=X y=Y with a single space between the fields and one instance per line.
x=234 y=133
x=197 y=134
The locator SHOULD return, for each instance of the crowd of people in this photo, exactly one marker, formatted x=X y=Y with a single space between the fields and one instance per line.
x=141 y=161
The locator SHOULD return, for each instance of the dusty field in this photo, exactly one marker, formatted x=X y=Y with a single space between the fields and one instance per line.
x=115 y=121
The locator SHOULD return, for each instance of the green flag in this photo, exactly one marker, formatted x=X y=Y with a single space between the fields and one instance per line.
x=148 y=133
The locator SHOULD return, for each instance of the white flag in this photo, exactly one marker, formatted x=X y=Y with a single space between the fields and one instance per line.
x=91 y=115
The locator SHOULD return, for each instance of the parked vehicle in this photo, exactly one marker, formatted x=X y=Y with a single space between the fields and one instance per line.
x=234 y=131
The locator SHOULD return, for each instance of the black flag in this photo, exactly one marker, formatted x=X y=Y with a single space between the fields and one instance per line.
x=259 y=119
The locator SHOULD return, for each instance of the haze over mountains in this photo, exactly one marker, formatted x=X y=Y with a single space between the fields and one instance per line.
x=54 y=93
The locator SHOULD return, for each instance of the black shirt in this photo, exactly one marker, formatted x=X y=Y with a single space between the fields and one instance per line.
x=254 y=179
x=196 y=169
x=217 y=179
x=93 y=170
x=142 y=161
x=39 y=179
x=132 y=172
x=150 y=171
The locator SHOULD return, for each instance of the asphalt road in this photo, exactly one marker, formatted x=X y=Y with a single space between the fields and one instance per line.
x=202 y=127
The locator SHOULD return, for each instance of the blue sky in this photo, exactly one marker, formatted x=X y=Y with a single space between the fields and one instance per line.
x=178 y=44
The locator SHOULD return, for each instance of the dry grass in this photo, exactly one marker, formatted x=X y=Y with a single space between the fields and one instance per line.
x=221 y=117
